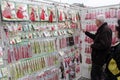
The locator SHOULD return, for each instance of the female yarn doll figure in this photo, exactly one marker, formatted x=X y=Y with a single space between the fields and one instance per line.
x=7 y=11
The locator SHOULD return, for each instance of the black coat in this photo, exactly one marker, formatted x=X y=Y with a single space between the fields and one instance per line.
x=102 y=41
x=115 y=54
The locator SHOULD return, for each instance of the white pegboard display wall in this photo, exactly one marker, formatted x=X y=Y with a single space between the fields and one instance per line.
x=112 y=14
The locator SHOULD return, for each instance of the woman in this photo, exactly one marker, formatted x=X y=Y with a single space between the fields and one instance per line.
x=113 y=63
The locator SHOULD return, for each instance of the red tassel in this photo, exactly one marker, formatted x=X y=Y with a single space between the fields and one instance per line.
x=9 y=56
x=51 y=17
x=60 y=16
x=42 y=16
x=32 y=15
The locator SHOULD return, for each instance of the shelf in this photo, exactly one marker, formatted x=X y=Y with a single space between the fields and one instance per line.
x=41 y=71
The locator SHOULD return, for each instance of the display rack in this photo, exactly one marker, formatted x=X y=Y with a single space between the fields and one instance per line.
x=43 y=40
x=34 y=34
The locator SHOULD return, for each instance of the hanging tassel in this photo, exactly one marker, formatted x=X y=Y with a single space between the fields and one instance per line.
x=65 y=15
x=32 y=15
x=15 y=53
x=42 y=15
x=6 y=32
x=9 y=56
x=60 y=16
x=51 y=17
x=77 y=17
